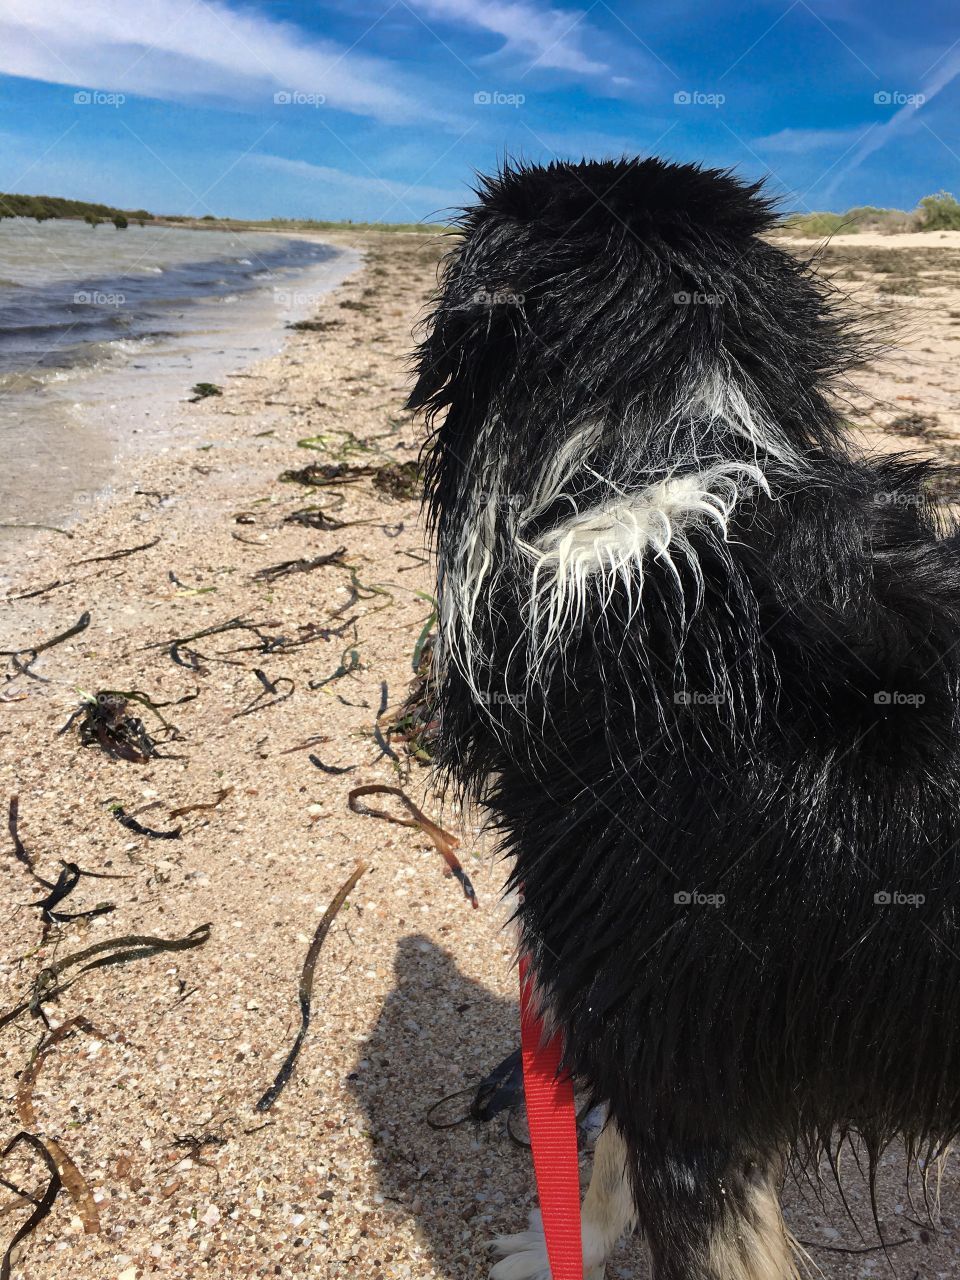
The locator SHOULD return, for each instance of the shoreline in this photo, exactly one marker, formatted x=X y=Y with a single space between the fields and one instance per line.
x=131 y=401
x=414 y=996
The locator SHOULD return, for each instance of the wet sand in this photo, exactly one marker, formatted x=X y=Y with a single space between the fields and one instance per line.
x=414 y=994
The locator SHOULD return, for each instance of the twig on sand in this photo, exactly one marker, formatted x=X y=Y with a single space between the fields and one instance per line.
x=306 y=986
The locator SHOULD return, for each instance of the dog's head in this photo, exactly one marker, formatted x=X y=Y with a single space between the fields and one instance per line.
x=618 y=355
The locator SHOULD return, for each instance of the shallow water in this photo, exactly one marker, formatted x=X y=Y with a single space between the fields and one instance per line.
x=104 y=332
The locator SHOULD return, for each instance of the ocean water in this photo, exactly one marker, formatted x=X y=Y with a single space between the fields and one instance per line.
x=104 y=332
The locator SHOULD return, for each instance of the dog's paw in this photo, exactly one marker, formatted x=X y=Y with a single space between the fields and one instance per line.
x=524 y=1256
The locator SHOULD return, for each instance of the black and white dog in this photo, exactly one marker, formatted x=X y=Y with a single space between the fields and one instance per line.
x=701 y=662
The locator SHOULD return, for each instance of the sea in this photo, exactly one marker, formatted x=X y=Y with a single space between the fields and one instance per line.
x=103 y=333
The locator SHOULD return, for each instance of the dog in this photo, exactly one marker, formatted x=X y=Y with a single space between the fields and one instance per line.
x=699 y=659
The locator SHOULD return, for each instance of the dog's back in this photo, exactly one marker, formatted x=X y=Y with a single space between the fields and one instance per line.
x=702 y=664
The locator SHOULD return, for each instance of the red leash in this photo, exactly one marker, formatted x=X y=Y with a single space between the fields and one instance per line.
x=552 y=1120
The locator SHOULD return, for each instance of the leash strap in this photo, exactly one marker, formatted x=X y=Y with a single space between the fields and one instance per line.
x=552 y=1120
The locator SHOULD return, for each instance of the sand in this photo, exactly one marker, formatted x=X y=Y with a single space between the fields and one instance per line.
x=414 y=994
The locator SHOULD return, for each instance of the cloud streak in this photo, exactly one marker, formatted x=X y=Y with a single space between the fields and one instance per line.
x=898 y=122
x=539 y=35
x=193 y=50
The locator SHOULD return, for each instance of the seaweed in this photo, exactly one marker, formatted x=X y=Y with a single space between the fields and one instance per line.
x=104 y=721
x=204 y=390
x=306 y=987
x=444 y=842
x=133 y=825
x=330 y=768
x=99 y=956
x=35 y=650
x=271 y=689
x=204 y=807
x=272 y=572
x=117 y=555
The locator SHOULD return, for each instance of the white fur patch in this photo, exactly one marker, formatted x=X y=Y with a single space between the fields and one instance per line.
x=524 y=1255
x=606 y=546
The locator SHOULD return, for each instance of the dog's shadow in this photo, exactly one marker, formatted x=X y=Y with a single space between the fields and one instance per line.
x=439 y=1032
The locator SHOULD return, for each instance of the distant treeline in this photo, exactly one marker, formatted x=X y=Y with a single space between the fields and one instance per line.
x=43 y=207
x=940 y=212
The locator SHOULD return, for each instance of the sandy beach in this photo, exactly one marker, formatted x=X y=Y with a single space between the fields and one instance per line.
x=151 y=1090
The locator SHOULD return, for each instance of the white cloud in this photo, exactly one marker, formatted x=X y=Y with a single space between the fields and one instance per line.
x=192 y=50
x=801 y=141
x=539 y=34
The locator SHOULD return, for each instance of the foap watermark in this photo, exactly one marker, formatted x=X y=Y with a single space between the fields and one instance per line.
x=897 y=698
x=498 y=298
x=496 y=98
x=694 y=898
x=298 y=98
x=698 y=698
x=896 y=98
x=896 y=898
x=697 y=98
x=98 y=98
x=683 y=298
x=97 y=298
x=296 y=298
x=897 y=498
x=496 y=699
x=504 y=501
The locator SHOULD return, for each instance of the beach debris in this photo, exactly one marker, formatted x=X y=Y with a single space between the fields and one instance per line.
x=47 y=528
x=415 y=723
x=138 y=829
x=70 y=1176
x=444 y=842
x=306 y=986
x=42 y=1206
x=42 y=591
x=20 y=851
x=271 y=690
x=315 y=326
x=400 y=480
x=104 y=721
x=319 y=475
x=117 y=555
x=330 y=768
x=382 y=743
x=68 y=879
x=274 y=571
x=100 y=955
x=349 y=662
x=204 y=390
x=204 y=807
x=34 y=651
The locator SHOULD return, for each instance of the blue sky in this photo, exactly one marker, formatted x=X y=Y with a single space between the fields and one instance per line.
x=385 y=109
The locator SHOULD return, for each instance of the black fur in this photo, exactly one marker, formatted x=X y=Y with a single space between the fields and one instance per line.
x=731 y=735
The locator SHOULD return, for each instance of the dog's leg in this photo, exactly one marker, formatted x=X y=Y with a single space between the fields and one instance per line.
x=608 y=1212
x=714 y=1219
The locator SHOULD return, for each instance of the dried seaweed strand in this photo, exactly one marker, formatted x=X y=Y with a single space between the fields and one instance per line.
x=445 y=842
x=117 y=555
x=306 y=986
x=44 y=1204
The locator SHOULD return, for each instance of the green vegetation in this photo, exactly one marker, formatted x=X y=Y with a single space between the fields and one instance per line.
x=940 y=212
x=43 y=207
